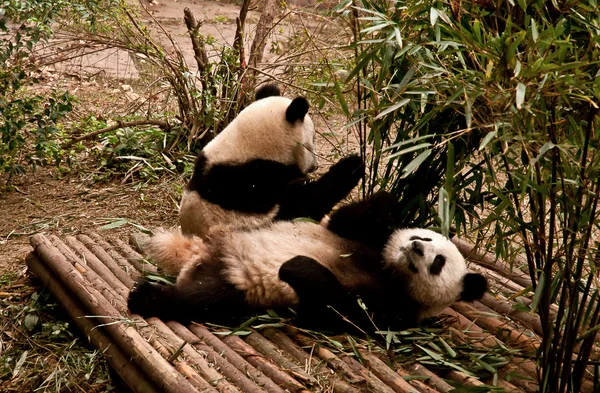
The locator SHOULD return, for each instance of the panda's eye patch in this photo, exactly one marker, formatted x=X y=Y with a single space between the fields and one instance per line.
x=425 y=239
x=438 y=263
x=416 y=247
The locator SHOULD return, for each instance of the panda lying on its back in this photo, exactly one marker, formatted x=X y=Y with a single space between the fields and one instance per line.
x=402 y=275
x=253 y=172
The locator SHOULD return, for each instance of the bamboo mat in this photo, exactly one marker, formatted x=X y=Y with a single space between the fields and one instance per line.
x=91 y=277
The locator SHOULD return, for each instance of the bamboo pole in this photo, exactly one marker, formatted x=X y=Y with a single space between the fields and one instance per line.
x=264 y=364
x=128 y=371
x=232 y=357
x=118 y=258
x=433 y=380
x=107 y=260
x=226 y=368
x=127 y=338
x=386 y=374
x=271 y=351
x=133 y=257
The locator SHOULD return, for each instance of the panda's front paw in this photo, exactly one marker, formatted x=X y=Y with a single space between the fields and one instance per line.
x=142 y=298
x=349 y=170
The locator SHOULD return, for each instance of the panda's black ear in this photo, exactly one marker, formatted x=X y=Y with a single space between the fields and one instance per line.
x=474 y=287
x=297 y=110
x=265 y=91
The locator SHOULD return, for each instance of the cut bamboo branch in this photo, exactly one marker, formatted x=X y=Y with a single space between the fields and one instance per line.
x=289 y=346
x=232 y=357
x=128 y=339
x=497 y=327
x=530 y=320
x=107 y=260
x=271 y=351
x=373 y=383
x=120 y=124
x=105 y=276
x=386 y=374
x=263 y=364
x=87 y=271
x=432 y=379
x=128 y=371
x=122 y=262
x=486 y=259
x=419 y=385
x=208 y=373
x=332 y=360
x=133 y=257
x=228 y=370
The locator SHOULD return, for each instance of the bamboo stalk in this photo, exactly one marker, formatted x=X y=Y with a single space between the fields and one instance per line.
x=486 y=259
x=433 y=380
x=286 y=344
x=271 y=351
x=87 y=271
x=496 y=326
x=386 y=374
x=232 y=357
x=263 y=364
x=463 y=379
x=332 y=360
x=128 y=371
x=107 y=260
x=373 y=383
x=227 y=369
x=123 y=263
x=128 y=339
x=98 y=267
x=208 y=373
x=417 y=384
x=133 y=257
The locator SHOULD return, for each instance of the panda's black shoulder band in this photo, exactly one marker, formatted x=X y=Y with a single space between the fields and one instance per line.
x=297 y=110
x=268 y=90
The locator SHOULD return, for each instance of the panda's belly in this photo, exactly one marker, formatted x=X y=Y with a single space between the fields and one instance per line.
x=198 y=216
x=252 y=259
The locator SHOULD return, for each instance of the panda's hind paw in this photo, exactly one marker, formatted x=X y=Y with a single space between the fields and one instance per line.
x=143 y=298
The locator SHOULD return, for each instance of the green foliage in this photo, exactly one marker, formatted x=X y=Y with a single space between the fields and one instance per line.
x=28 y=121
x=496 y=103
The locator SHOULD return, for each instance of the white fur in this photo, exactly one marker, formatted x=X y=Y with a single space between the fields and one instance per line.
x=435 y=291
x=260 y=131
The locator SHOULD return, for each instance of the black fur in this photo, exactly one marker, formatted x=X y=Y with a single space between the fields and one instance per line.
x=317 y=198
x=253 y=187
x=211 y=299
x=268 y=90
x=259 y=185
x=370 y=221
x=326 y=305
x=297 y=109
x=474 y=288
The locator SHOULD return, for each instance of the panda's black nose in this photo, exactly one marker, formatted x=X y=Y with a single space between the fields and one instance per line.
x=417 y=248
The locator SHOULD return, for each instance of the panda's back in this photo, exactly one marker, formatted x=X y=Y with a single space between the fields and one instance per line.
x=251 y=259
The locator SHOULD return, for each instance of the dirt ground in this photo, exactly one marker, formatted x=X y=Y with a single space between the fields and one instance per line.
x=51 y=202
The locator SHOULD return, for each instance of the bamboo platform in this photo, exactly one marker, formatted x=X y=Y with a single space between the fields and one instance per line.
x=90 y=277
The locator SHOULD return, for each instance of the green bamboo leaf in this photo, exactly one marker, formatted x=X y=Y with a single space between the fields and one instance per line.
x=409 y=150
x=392 y=108
x=115 y=224
x=414 y=164
x=444 y=211
x=520 y=95
x=538 y=292
x=534 y=30
x=433 y=16
x=448 y=348
x=486 y=139
x=340 y=97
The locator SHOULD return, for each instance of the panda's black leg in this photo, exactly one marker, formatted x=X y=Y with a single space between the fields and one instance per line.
x=324 y=302
x=316 y=198
x=202 y=303
x=370 y=221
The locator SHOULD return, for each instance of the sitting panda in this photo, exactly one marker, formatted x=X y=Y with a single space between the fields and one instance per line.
x=255 y=170
x=402 y=275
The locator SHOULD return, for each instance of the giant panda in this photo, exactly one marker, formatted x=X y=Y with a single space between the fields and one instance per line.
x=402 y=276
x=255 y=170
